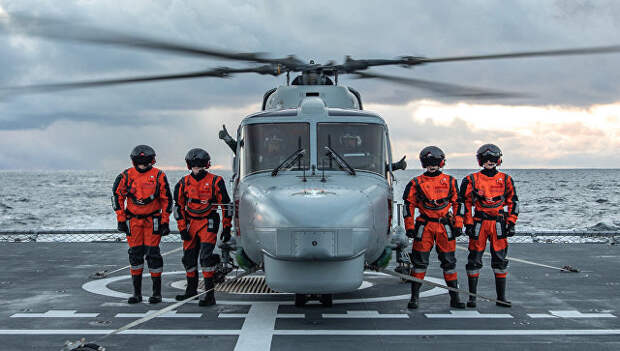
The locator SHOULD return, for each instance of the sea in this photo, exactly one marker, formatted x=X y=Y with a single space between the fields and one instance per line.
x=580 y=200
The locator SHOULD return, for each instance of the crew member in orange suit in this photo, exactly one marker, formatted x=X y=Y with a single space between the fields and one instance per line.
x=494 y=197
x=143 y=203
x=197 y=196
x=434 y=194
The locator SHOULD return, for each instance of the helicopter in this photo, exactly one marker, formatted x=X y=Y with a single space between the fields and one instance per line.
x=313 y=193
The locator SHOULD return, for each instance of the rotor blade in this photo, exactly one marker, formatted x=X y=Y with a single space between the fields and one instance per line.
x=222 y=72
x=561 y=52
x=60 y=30
x=443 y=89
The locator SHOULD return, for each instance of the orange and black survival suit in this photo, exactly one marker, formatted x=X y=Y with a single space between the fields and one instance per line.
x=434 y=194
x=491 y=210
x=143 y=203
x=197 y=196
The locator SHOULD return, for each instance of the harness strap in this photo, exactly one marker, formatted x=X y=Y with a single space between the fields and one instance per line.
x=476 y=195
x=140 y=216
x=484 y=216
x=145 y=201
x=432 y=204
x=442 y=220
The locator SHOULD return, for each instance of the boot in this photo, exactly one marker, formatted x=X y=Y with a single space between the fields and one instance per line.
x=137 y=289
x=190 y=289
x=455 y=301
x=208 y=299
x=415 y=295
x=473 y=288
x=156 y=297
x=500 y=288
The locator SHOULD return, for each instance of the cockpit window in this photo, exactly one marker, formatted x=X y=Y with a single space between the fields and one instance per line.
x=359 y=144
x=267 y=145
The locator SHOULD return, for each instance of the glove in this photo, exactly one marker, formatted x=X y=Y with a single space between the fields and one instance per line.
x=223 y=134
x=457 y=232
x=185 y=235
x=225 y=235
x=122 y=227
x=164 y=229
x=410 y=233
x=510 y=229
x=469 y=231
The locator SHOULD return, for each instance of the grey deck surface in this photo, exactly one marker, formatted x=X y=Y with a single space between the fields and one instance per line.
x=552 y=310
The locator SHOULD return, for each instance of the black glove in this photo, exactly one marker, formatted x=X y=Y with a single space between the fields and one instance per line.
x=122 y=227
x=225 y=235
x=469 y=231
x=457 y=232
x=223 y=133
x=410 y=233
x=185 y=235
x=510 y=229
x=164 y=229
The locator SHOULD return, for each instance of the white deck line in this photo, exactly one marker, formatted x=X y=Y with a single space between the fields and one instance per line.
x=454 y=332
x=56 y=314
x=171 y=314
x=257 y=330
x=467 y=314
x=363 y=314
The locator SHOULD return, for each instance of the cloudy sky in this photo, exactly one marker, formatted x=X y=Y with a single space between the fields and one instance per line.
x=572 y=118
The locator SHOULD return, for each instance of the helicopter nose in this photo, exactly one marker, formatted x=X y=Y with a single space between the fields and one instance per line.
x=310 y=209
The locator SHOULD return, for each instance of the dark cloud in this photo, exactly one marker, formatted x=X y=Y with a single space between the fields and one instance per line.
x=320 y=30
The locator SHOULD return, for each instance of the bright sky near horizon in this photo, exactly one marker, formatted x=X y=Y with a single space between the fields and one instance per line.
x=572 y=119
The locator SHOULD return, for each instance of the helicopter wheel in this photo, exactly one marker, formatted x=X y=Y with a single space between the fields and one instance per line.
x=326 y=300
x=300 y=300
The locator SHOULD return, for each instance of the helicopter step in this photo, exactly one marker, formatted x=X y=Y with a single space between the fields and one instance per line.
x=325 y=299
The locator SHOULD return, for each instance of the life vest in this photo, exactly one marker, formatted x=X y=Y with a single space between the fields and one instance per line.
x=431 y=195
x=488 y=192
x=142 y=188
x=200 y=195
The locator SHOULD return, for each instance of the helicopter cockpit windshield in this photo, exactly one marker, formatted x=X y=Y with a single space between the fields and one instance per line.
x=359 y=144
x=267 y=145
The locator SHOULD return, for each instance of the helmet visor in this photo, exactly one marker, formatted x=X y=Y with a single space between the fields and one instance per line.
x=431 y=161
x=198 y=163
x=489 y=155
x=142 y=160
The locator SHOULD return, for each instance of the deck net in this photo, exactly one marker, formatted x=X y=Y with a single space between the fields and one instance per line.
x=112 y=235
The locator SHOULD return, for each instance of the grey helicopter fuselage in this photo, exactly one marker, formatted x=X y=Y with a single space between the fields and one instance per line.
x=313 y=226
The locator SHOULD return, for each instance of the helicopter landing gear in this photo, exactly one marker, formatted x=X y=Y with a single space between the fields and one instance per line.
x=300 y=300
x=327 y=300
x=404 y=263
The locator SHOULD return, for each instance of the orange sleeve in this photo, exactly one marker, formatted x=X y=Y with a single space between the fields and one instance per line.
x=454 y=201
x=410 y=204
x=466 y=199
x=512 y=200
x=119 y=194
x=179 y=206
x=165 y=199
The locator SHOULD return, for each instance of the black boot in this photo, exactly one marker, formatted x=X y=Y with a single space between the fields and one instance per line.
x=415 y=295
x=156 y=297
x=208 y=299
x=137 y=289
x=454 y=296
x=473 y=288
x=190 y=289
x=500 y=288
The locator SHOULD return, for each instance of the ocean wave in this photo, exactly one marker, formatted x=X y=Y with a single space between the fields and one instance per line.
x=604 y=227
